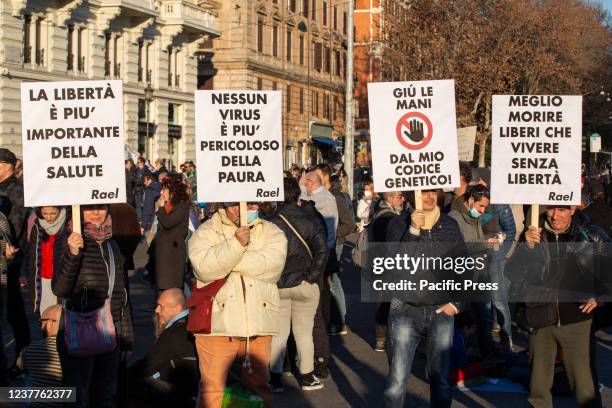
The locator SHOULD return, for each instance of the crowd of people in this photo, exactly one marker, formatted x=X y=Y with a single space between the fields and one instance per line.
x=250 y=301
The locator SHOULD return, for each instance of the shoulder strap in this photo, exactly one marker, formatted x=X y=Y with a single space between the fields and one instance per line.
x=111 y=275
x=297 y=234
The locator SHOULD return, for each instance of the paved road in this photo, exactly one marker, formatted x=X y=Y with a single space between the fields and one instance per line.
x=358 y=373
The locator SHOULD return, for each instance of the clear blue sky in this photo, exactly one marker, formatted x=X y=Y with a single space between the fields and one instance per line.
x=608 y=5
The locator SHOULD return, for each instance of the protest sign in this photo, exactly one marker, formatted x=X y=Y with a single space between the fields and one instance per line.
x=536 y=149
x=239 y=146
x=413 y=134
x=466 y=138
x=72 y=138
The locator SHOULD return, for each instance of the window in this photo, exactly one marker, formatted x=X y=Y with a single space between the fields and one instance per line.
x=335 y=18
x=291 y=5
x=147 y=67
x=259 y=84
x=345 y=23
x=80 y=56
x=301 y=100
x=317 y=56
x=326 y=106
x=70 y=54
x=27 y=47
x=274 y=86
x=325 y=13
x=275 y=41
x=260 y=36
x=327 y=60
x=289 y=46
x=337 y=62
x=169 y=65
x=140 y=52
x=314 y=10
x=288 y=98
x=107 y=63
x=334 y=117
x=117 y=64
x=316 y=102
x=342 y=72
x=301 y=50
x=40 y=52
x=313 y=97
x=305 y=8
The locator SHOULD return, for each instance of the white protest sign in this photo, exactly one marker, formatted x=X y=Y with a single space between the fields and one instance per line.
x=239 y=146
x=414 y=135
x=72 y=138
x=536 y=149
x=466 y=138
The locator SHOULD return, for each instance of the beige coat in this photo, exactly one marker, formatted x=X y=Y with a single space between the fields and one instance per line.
x=248 y=303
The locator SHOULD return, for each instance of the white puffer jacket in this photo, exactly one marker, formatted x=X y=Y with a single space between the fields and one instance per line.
x=253 y=271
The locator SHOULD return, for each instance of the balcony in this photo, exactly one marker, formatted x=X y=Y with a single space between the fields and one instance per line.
x=193 y=18
x=129 y=7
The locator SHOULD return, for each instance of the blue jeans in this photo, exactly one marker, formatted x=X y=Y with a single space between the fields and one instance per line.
x=337 y=294
x=408 y=325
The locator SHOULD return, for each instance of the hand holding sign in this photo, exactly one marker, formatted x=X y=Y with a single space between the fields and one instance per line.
x=75 y=242
x=416 y=131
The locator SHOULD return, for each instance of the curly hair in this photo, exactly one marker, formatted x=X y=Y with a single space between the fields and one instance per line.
x=178 y=189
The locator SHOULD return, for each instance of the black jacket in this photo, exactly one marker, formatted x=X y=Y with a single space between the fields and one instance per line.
x=346 y=221
x=173 y=356
x=13 y=189
x=443 y=240
x=540 y=266
x=33 y=261
x=600 y=214
x=380 y=221
x=130 y=185
x=83 y=281
x=170 y=246
x=299 y=266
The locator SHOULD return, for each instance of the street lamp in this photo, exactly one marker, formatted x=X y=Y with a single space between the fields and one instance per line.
x=148 y=96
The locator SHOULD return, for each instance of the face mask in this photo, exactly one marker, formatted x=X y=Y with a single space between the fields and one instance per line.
x=367 y=194
x=252 y=215
x=474 y=213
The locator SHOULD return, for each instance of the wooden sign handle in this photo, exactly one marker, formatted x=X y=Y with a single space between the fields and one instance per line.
x=535 y=215
x=418 y=199
x=243 y=214
x=76 y=218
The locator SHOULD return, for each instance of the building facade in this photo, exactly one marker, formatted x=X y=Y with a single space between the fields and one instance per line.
x=145 y=43
x=294 y=46
x=369 y=63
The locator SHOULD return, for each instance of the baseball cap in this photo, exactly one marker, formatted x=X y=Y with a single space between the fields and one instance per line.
x=6 y=156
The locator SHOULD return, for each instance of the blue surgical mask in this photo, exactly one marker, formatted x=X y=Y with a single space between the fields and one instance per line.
x=252 y=215
x=474 y=213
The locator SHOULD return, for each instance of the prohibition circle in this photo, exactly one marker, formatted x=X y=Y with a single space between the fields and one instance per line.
x=405 y=122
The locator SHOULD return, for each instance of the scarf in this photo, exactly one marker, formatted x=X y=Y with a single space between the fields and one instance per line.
x=431 y=217
x=100 y=232
x=52 y=228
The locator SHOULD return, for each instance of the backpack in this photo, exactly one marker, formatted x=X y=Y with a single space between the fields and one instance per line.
x=363 y=240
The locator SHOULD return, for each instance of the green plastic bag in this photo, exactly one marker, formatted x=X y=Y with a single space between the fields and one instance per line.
x=237 y=397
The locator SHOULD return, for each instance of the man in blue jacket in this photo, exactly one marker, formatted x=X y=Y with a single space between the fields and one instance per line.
x=152 y=192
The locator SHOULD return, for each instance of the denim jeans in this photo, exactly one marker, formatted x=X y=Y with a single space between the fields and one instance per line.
x=337 y=293
x=408 y=325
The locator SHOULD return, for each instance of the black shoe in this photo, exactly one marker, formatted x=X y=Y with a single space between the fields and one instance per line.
x=310 y=382
x=321 y=371
x=275 y=383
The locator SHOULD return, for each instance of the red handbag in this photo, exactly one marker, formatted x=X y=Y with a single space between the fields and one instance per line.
x=200 y=307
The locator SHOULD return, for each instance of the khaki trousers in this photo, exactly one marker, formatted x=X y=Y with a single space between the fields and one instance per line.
x=298 y=306
x=574 y=340
x=216 y=355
